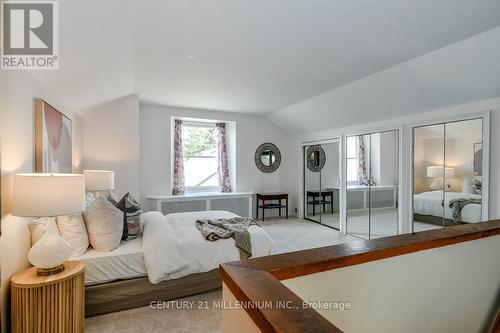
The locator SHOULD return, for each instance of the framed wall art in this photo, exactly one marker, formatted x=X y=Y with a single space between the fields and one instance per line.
x=53 y=140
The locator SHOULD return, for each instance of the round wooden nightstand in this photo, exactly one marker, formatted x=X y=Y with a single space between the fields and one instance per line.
x=54 y=303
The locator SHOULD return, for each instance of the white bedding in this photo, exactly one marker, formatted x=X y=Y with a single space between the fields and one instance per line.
x=430 y=203
x=174 y=247
x=125 y=262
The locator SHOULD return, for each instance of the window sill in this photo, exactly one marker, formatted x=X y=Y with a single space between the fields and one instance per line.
x=199 y=195
x=208 y=189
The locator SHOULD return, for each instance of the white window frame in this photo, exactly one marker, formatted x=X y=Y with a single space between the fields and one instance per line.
x=197 y=189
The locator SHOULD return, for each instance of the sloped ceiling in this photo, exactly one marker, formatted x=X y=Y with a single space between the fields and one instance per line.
x=261 y=56
x=463 y=72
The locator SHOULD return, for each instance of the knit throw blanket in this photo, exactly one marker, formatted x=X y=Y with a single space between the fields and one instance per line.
x=456 y=206
x=236 y=227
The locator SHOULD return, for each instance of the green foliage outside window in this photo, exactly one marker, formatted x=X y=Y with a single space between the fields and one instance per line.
x=198 y=140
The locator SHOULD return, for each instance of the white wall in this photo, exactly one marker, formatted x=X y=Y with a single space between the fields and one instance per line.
x=384 y=158
x=17 y=92
x=251 y=131
x=111 y=142
x=400 y=295
x=237 y=319
x=330 y=176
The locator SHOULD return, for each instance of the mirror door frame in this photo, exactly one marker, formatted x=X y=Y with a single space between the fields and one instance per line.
x=303 y=208
x=401 y=176
x=485 y=177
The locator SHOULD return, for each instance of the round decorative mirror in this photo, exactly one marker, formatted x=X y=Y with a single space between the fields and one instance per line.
x=267 y=157
x=316 y=158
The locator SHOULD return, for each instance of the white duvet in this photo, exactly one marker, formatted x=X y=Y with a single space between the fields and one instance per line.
x=173 y=247
x=430 y=203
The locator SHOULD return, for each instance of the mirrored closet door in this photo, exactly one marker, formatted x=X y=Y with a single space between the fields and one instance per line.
x=322 y=184
x=447 y=174
x=372 y=179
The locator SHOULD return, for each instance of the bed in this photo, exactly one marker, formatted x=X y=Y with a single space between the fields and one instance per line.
x=125 y=262
x=428 y=207
x=171 y=260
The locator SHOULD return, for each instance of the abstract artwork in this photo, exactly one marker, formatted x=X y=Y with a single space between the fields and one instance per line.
x=53 y=140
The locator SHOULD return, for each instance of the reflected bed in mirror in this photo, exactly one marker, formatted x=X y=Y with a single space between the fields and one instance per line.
x=447 y=168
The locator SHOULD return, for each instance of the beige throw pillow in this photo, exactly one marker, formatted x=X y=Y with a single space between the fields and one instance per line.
x=104 y=225
x=72 y=229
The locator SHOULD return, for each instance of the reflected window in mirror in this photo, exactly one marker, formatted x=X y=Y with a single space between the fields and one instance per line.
x=268 y=157
x=352 y=160
x=372 y=183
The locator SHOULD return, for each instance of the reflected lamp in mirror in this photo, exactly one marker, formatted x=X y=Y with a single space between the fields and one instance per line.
x=48 y=195
x=437 y=173
x=267 y=157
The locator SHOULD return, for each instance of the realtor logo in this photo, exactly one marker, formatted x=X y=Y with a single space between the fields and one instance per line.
x=30 y=36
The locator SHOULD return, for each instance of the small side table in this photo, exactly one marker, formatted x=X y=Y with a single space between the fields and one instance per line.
x=263 y=197
x=320 y=198
x=52 y=304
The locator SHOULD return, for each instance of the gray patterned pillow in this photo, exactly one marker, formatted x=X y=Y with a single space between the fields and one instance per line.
x=132 y=224
x=104 y=225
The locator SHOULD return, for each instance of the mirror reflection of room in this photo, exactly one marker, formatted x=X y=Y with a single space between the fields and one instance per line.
x=447 y=174
x=372 y=166
x=312 y=184
x=330 y=181
x=322 y=184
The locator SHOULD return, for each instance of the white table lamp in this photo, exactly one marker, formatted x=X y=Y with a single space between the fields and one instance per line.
x=438 y=172
x=48 y=195
x=99 y=181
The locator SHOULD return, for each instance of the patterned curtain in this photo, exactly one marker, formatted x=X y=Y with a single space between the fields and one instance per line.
x=222 y=163
x=178 y=182
x=362 y=170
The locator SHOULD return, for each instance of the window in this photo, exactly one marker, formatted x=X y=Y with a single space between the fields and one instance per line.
x=200 y=157
x=352 y=160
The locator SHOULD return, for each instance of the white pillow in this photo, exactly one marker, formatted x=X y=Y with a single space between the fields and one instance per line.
x=37 y=229
x=104 y=225
x=72 y=229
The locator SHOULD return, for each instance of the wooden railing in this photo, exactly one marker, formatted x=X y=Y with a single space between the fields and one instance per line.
x=259 y=279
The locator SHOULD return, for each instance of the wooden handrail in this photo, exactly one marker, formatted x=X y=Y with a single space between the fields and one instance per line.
x=258 y=280
x=495 y=328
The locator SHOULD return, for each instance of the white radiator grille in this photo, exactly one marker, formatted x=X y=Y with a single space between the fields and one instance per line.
x=355 y=200
x=238 y=206
x=382 y=198
x=183 y=206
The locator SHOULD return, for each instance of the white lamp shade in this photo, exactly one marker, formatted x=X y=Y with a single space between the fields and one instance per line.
x=42 y=194
x=437 y=171
x=99 y=180
x=434 y=171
